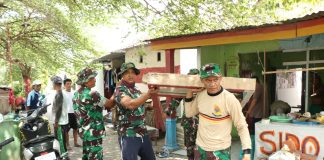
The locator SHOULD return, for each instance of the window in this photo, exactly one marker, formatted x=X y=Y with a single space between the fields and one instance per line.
x=141 y=59
x=159 y=56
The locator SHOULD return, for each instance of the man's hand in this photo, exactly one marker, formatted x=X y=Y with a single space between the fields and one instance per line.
x=190 y=92
x=153 y=90
x=55 y=125
x=110 y=103
x=247 y=114
x=246 y=157
x=197 y=90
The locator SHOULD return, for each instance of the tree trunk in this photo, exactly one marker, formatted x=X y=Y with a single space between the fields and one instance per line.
x=25 y=72
x=27 y=83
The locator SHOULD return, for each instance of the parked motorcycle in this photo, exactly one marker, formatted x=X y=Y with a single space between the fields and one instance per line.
x=38 y=143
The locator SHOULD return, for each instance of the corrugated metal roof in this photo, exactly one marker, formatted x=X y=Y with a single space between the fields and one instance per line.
x=108 y=57
x=240 y=28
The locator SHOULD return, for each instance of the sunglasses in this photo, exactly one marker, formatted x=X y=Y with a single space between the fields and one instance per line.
x=208 y=68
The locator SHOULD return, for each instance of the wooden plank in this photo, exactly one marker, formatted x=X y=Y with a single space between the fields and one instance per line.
x=193 y=81
x=176 y=85
x=293 y=70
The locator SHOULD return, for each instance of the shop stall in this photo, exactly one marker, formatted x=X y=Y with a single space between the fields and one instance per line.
x=308 y=138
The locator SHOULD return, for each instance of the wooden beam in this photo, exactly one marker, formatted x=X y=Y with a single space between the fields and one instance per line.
x=293 y=70
x=169 y=60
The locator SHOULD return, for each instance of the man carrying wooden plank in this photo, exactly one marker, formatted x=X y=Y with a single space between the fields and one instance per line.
x=217 y=109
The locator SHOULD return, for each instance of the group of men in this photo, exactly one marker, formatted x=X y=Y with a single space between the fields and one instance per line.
x=62 y=113
x=216 y=108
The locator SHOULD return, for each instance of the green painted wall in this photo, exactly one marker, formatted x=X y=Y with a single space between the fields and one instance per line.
x=228 y=54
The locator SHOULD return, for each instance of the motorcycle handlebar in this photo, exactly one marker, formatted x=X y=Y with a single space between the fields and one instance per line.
x=5 y=142
x=38 y=112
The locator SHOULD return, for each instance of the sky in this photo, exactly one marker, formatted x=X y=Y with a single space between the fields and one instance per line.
x=118 y=35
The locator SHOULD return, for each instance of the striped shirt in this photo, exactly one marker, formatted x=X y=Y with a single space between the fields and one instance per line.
x=216 y=115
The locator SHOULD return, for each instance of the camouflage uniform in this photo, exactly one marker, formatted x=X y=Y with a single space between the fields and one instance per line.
x=171 y=109
x=190 y=126
x=133 y=137
x=201 y=154
x=88 y=107
x=130 y=122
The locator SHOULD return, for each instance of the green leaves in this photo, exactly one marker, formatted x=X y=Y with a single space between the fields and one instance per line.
x=46 y=35
x=174 y=17
x=43 y=36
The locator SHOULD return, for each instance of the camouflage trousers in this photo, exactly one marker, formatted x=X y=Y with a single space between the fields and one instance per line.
x=190 y=135
x=92 y=150
x=201 y=154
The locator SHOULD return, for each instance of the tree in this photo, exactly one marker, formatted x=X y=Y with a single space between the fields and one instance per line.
x=174 y=17
x=38 y=37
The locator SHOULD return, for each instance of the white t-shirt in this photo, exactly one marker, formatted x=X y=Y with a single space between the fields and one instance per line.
x=69 y=97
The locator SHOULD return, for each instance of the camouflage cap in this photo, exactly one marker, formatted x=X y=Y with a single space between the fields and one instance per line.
x=56 y=80
x=85 y=75
x=193 y=71
x=210 y=69
x=127 y=66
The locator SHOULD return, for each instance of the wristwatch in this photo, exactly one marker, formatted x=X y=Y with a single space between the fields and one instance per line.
x=247 y=151
x=188 y=99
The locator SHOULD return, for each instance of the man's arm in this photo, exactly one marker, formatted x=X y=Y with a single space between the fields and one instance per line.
x=29 y=97
x=110 y=103
x=57 y=107
x=130 y=103
x=251 y=107
x=238 y=119
x=191 y=104
x=255 y=98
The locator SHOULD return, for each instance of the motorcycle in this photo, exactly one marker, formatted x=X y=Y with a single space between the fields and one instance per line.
x=38 y=143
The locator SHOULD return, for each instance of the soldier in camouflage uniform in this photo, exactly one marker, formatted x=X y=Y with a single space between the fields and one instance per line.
x=133 y=138
x=190 y=126
x=88 y=106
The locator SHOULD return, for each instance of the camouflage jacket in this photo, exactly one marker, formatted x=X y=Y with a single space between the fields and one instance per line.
x=191 y=122
x=88 y=107
x=130 y=122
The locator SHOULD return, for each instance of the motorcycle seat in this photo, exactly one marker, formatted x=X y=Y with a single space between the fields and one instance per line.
x=38 y=139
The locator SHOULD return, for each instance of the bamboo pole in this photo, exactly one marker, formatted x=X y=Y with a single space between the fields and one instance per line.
x=294 y=70
x=307 y=79
x=264 y=83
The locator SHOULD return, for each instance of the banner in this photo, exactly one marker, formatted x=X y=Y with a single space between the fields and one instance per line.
x=289 y=87
x=270 y=137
